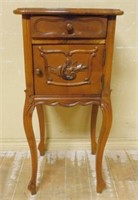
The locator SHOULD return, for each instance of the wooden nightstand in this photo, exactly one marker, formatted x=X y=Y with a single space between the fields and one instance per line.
x=68 y=58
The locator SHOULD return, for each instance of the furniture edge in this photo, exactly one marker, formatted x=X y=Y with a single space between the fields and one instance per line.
x=68 y=11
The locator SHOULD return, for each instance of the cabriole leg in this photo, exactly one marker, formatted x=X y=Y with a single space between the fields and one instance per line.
x=40 y=113
x=105 y=129
x=28 y=111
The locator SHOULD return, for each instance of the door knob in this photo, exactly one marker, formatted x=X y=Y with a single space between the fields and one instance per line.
x=70 y=28
x=38 y=72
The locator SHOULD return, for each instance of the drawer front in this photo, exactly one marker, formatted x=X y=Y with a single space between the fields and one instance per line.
x=68 y=27
x=68 y=69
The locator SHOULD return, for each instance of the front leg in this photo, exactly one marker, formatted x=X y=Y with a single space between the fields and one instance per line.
x=28 y=111
x=106 y=125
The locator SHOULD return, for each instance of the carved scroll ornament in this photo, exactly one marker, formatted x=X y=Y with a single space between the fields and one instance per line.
x=69 y=70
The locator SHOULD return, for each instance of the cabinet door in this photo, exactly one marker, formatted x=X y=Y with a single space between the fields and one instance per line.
x=68 y=69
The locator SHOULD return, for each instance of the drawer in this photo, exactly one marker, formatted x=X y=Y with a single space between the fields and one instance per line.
x=68 y=27
x=68 y=69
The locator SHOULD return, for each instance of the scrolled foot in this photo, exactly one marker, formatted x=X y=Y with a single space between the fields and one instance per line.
x=32 y=188
x=101 y=186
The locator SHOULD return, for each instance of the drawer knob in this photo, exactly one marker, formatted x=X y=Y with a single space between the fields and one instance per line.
x=38 y=72
x=70 y=28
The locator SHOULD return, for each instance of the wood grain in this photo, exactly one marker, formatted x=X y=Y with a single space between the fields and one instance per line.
x=69 y=175
x=123 y=175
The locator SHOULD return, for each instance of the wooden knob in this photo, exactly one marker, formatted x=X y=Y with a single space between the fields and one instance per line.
x=38 y=72
x=70 y=28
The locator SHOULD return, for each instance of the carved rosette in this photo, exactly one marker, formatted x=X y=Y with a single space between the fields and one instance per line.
x=70 y=69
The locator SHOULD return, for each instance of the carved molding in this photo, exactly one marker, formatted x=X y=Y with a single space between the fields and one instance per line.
x=69 y=70
x=33 y=101
x=66 y=101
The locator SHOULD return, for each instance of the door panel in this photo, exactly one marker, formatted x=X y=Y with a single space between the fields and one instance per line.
x=68 y=69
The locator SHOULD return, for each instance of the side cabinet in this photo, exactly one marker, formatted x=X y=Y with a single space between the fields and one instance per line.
x=68 y=61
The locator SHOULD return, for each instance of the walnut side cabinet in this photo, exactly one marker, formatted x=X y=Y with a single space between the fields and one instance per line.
x=68 y=60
